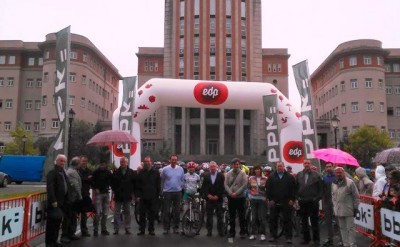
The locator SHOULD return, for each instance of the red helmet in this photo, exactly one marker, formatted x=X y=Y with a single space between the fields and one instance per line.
x=190 y=164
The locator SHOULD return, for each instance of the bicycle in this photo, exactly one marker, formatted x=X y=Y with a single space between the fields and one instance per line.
x=191 y=220
x=225 y=216
x=249 y=218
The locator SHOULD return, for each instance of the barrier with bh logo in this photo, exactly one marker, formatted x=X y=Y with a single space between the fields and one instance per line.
x=12 y=221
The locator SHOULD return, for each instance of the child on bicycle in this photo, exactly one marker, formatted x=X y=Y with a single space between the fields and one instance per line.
x=191 y=183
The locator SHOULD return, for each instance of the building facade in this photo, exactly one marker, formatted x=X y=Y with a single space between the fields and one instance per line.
x=215 y=41
x=359 y=82
x=27 y=76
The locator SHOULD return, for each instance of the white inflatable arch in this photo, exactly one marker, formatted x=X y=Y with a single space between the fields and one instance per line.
x=211 y=94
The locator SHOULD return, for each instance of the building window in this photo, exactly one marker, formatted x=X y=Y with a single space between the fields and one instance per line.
x=38 y=82
x=37 y=104
x=83 y=102
x=29 y=83
x=72 y=77
x=396 y=67
x=353 y=61
x=27 y=126
x=212 y=7
x=196 y=7
x=182 y=25
x=392 y=134
x=368 y=83
x=149 y=146
x=84 y=79
x=46 y=77
x=10 y=81
x=11 y=60
x=28 y=104
x=380 y=83
x=1 y=81
x=150 y=124
x=341 y=63
x=388 y=68
x=7 y=126
x=9 y=103
x=379 y=60
x=31 y=61
x=389 y=90
x=354 y=83
x=343 y=108
x=382 y=106
x=398 y=111
x=44 y=100
x=212 y=25
x=47 y=54
x=40 y=61
x=396 y=89
x=354 y=107
x=36 y=126
x=74 y=55
x=43 y=123
x=243 y=10
x=228 y=25
x=182 y=9
x=84 y=57
x=370 y=106
x=3 y=59
x=390 y=111
x=71 y=100
x=367 y=60
x=342 y=86
x=55 y=124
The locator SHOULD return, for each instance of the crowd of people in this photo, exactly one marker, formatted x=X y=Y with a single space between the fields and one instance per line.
x=270 y=192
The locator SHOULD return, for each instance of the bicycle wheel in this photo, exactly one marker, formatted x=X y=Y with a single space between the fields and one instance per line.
x=191 y=222
x=136 y=211
x=280 y=225
x=225 y=222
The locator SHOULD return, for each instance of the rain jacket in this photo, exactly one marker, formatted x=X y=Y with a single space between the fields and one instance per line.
x=364 y=184
x=345 y=197
x=380 y=181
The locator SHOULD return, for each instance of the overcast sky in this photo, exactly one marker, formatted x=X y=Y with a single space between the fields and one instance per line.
x=309 y=29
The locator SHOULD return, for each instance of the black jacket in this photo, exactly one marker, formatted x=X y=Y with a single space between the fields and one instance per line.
x=57 y=185
x=281 y=190
x=216 y=189
x=148 y=184
x=123 y=186
x=86 y=180
x=312 y=190
x=101 y=180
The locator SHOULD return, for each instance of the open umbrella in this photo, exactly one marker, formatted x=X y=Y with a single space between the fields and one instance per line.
x=388 y=156
x=111 y=137
x=335 y=156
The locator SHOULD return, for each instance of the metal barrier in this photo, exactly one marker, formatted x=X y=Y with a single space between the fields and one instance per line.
x=13 y=216
x=37 y=220
x=368 y=220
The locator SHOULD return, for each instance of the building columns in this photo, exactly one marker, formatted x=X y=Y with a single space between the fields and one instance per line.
x=202 y=131
x=221 y=132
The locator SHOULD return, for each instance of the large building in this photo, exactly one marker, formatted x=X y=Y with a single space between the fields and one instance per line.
x=211 y=40
x=359 y=82
x=27 y=76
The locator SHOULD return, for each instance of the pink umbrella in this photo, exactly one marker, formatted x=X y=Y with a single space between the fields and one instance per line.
x=111 y=137
x=335 y=156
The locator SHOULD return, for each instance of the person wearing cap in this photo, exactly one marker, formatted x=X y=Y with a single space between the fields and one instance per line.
x=289 y=169
x=235 y=185
x=191 y=183
x=267 y=171
x=212 y=190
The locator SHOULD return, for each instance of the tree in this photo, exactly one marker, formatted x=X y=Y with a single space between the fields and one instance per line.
x=366 y=142
x=43 y=144
x=17 y=145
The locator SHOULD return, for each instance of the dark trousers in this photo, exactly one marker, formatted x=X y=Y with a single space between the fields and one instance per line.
x=69 y=223
x=171 y=199
x=236 y=205
x=84 y=217
x=147 y=207
x=287 y=212
x=52 y=230
x=328 y=210
x=212 y=206
x=309 y=210
x=258 y=208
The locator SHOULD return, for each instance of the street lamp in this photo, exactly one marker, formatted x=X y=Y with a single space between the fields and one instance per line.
x=24 y=141
x=71 y=119
x=335 y=125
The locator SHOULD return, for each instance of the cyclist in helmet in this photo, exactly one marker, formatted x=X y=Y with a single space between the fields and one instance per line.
x=191 y=182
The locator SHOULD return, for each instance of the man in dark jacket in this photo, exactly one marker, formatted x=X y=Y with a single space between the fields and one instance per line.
x=101 y=182
x=57 y=185
x=310 y=190
x=147 y=192
x=123 y=186
x=212 y=190
x=281 y=195
x=328 y=178
x=86 y=177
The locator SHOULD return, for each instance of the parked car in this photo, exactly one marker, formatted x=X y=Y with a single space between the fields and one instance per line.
x=4 y=179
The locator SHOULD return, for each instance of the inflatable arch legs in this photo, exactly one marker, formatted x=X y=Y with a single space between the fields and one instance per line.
x=211 y=94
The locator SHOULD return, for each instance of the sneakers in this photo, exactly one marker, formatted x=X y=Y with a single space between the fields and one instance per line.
x=230 y=240
x=65 y=240
x=252 y=237
x=262 y=238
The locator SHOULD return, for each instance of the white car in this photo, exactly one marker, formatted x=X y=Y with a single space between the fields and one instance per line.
x=4 y=179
